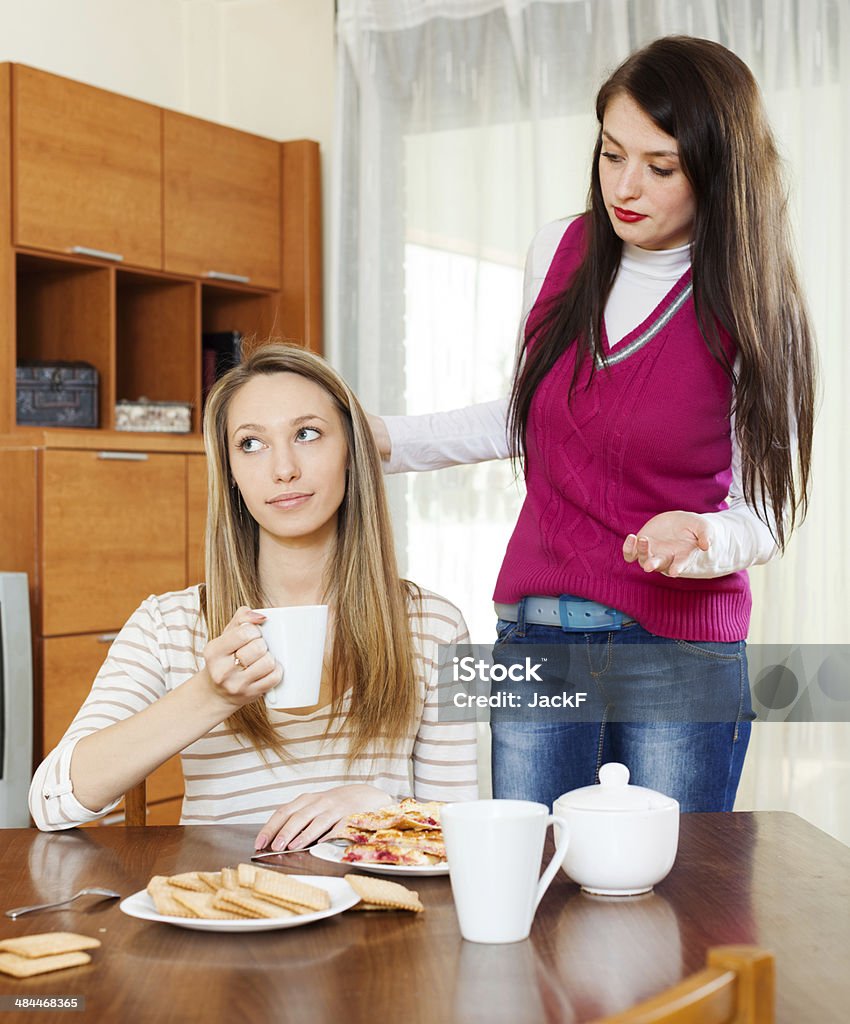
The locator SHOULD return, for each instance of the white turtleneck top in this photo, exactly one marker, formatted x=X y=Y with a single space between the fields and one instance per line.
x=477 y=433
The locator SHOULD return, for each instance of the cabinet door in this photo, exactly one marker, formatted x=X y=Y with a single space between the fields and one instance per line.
x=87 y=169
x=70 y=664
x=196 y=517
x=221 y=201
x=113 y=532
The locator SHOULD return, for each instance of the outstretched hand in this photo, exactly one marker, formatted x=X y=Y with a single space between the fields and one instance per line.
x=668 y=542
x=310 y=816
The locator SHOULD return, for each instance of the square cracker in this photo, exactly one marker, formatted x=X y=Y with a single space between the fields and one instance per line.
x=229 y=878
x=188 y=880
x=28 y=967
x=211 y=879
x=202 y=905
x=246 y=874
x=165 y=902
x=380 y=892
x=286 y=889
x=250 y=905
x=48 y=944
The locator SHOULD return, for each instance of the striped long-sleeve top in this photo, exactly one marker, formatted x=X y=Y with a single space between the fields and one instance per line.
x=226 y=779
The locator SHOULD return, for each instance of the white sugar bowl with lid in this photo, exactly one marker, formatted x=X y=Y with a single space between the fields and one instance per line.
x=623 y=839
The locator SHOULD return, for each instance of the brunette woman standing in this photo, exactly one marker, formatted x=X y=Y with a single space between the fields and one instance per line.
x=662 y=409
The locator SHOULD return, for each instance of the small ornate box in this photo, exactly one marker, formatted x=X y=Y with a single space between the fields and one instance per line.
x=56 y=394
x=154 y=417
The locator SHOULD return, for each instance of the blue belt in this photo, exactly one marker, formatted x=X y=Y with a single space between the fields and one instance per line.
x=571 y=614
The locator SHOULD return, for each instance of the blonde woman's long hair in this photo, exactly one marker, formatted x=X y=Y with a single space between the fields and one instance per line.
x=372 y=653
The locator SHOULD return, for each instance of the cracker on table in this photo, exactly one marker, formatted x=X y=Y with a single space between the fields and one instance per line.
x=383 y=893
x=28 y=967
x=245 y=874
x=229 y=878
x=188 y=880
x=165 y=902
x=48 y=944
x=211 y=879
x=202 y=905
x=287 y=889
x=252 y=905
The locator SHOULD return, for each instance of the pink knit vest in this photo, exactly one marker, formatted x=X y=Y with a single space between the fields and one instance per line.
x=651 y=434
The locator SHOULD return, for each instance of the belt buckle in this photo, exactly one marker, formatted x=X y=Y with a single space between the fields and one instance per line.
x=577 y=617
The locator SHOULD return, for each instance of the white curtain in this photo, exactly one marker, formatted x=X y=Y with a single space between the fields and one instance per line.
x=462 y=127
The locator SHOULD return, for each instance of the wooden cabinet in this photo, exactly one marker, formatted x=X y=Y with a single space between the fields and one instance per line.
x=113 y=532
x=113 y=529
x=87 y=167
x=221 y=202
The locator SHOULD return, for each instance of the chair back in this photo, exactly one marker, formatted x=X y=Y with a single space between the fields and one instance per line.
x=737 y=986
x=136 y=804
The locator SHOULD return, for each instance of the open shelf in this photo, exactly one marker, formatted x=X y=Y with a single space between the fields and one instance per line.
x=157 y=343
x=64 y=313
x=228 y=308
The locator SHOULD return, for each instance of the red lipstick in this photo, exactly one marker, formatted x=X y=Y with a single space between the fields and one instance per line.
x=628 y=216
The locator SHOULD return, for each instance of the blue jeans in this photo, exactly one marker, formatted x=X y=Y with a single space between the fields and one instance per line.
x=676 y=712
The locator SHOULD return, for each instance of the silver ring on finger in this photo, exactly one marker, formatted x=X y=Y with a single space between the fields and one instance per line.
x=237 y=662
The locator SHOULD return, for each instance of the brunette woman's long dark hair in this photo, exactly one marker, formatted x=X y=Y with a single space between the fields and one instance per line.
x=744 y=272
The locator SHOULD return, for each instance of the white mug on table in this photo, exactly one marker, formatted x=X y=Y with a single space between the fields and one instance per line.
x=494 y=849
x=296 y=638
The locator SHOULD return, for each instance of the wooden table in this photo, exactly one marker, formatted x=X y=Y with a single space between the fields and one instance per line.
x=764 y=878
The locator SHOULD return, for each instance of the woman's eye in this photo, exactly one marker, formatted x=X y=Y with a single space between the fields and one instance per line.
x=308 y=434
x=250 y=444
x=613 y=157
x=662 y=172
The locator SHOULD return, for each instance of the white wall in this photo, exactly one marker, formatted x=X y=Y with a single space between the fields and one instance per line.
x=265 y=66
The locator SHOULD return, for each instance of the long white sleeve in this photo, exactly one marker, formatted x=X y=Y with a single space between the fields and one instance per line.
x=474 y=433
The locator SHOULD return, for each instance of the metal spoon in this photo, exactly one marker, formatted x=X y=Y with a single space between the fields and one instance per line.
x=108 y=893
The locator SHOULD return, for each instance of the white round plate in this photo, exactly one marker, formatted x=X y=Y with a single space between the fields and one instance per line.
x=342 y=898
x=333 y=853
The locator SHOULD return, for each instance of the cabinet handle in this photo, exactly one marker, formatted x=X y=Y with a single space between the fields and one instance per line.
x=106 y=638
x=124 y=456
x=219 y=275
x=101 y=254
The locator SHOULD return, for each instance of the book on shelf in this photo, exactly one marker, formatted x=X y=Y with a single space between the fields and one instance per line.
x=222 y=350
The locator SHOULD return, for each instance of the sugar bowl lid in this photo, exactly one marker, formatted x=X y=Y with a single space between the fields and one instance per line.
x=613 y=793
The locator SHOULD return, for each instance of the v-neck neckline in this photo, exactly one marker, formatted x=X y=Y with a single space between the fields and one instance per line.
x=651 y=325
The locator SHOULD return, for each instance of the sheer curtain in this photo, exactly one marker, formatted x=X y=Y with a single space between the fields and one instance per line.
x=462 y=127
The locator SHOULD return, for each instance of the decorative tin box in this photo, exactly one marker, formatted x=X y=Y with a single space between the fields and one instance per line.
x=154 y=417
x=56 y=394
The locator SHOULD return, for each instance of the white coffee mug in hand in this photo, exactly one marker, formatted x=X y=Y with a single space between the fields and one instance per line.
x=494 y=849
x=296 y=639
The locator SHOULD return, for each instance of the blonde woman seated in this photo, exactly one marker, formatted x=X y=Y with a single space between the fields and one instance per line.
x=297 y=515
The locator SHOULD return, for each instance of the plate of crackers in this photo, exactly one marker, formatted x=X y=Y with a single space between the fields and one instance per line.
x=240 y=899
x=405 y=838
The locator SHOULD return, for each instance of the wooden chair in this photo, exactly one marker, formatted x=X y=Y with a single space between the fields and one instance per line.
x=735 y=987
x=136 y=804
